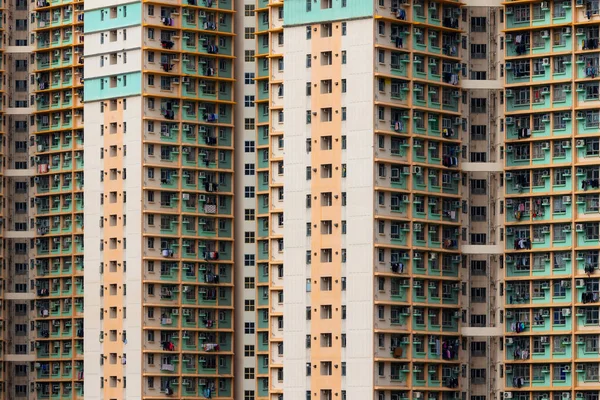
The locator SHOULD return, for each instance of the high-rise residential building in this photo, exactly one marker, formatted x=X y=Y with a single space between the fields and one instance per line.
x=319 y=199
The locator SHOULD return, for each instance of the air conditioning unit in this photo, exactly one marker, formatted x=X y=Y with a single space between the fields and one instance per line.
x=510 y=121
x=566 y=144
x=509 y=314
x=580 y=143
x=185 y=80
x=567 y=30
x=508 y=176
x=565 y=284
x=579 y=227
x=406 y=198
x=580 y=282
x=566 y=199
x=508 y=395
x=545 y=146
x=509 y=148
x=545 y=34
x=510 y=231
x=417 y=169
x=417 y=227
x=509 y=341
x=508 y=37
x=545 y=312
x=508 y=93
x=508 y=369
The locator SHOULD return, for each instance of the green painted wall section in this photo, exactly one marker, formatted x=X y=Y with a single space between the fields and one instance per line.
x=101 y=88
x=296 y=11
x=100 y=19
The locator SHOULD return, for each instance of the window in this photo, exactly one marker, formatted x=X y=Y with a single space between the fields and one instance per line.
x=478 y=51
x=249 y=55
x=249 y=260
x=249 y=33
x=249 y=350
x=478 y=24
x=249 y=10
x=478 y=105
x=478 y=186
x=249 y=214
x=478 y=75
x=478 y=375
x=478 y=349
x=478 y=295
x=478 y=267
x=249 y=395
x=249 y=328
x=249 y=192
x=478 y=132
x=249 y=169
x=478 y=156
x=249 y=78
x=248 y=101
x=478 y=213
x=249 y=146
x=478 y=238
x=249 y=282
x=478 y=321
x=522 y=13
x=249 y=237
x=249 y=124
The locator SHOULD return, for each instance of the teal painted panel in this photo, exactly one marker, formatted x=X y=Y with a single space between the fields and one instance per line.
x=101 y=19
x=105 y=87
x=300 y=12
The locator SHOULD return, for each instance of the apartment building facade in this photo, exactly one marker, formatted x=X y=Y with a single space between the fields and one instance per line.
x=384 y=199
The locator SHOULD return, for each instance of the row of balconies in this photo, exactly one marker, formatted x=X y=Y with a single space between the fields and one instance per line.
x=56 y=203
x=190 y=226
x=563 y=318
x=191 y=385
x=59 y=141
x=61 y=328
x=207 y=113
x=551 y=236
x=58 y=390
x=190 y=18
x=202 y=249
x=547 y=13
x=58 y=266
x=205 y=158
x=59 y=370
x=197 y=203
x=56 y=245
x=59 y=287
x=545 y=264
x=208 y=182
x=175 y=40
x=48 y=58
x=191 y=134
x=59 y=225
x=210 y=319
